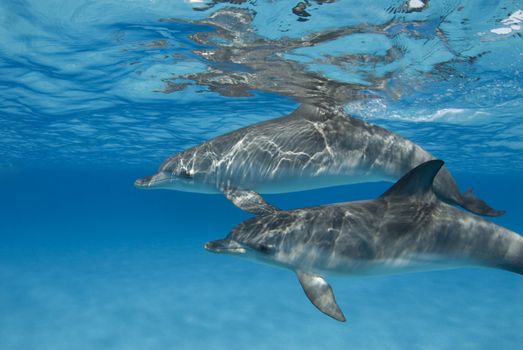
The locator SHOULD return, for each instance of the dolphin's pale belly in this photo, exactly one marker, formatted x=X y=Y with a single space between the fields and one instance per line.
x=413 y=263
x=310 y=181
x=320 y=262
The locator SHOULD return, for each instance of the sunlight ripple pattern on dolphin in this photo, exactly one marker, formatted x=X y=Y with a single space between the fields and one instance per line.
x=406 y=229
x=310 y=148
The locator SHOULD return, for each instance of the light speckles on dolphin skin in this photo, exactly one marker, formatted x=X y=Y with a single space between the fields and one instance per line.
x=406 y=229
x=311 y=148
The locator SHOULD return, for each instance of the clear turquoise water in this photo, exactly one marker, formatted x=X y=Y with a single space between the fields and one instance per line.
x=89 y=262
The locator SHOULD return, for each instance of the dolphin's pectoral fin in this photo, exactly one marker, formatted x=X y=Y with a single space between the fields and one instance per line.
x=320 y=294
x=250 y=201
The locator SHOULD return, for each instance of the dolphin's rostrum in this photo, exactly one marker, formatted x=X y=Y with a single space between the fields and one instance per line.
x=310 y=148
x=406 y=229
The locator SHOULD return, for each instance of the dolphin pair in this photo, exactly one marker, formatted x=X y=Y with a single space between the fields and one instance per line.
x=310 y=148
x=408 y=228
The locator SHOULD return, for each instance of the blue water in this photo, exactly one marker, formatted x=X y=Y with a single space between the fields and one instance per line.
x=96 y=94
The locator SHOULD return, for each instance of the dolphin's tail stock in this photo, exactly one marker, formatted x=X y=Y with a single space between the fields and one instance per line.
x=512 y=254
x=515 y=265
x=476 y=205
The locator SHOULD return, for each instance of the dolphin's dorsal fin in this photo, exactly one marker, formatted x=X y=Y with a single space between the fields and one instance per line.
x=249 y=201
x=309 y=112
x=320 y=294
x=305 y=108
x=417 y=182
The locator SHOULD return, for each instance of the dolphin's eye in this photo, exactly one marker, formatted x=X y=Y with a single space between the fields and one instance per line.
x=265 y=248
x=184 y=173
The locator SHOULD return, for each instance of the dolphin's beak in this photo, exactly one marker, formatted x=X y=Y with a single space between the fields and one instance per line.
x=151 y=181
x=143 y=182
x=225 y=246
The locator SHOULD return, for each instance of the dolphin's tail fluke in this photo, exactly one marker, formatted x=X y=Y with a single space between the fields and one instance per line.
x=474 y=204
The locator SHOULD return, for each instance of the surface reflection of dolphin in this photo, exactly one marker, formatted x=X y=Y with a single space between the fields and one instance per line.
x=406 y=229
x=310 y=148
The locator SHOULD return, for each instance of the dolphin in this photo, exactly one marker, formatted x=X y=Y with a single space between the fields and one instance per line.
x=310 y=148
x=406 y=229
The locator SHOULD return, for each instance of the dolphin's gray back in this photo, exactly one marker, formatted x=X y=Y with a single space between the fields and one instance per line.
x=307 y=149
